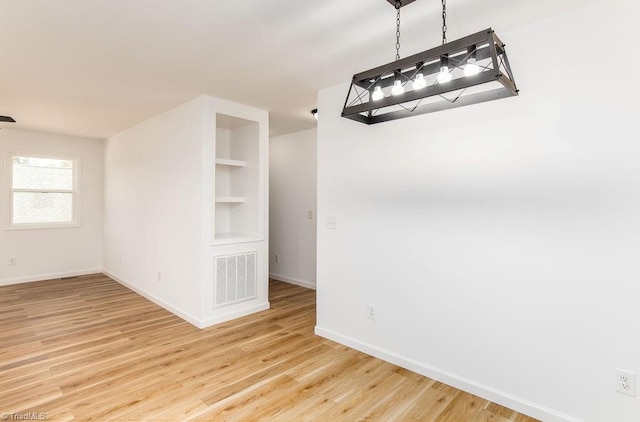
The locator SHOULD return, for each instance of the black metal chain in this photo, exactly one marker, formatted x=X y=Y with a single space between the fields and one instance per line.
x=444 y=21
x=398 y=6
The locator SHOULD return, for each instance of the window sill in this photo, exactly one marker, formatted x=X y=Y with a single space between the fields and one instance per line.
x=42 y=226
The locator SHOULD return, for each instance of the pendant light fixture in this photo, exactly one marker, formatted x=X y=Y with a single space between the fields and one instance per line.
x=466 y=71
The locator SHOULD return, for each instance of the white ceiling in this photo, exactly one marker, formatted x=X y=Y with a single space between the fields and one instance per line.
x=93 y=68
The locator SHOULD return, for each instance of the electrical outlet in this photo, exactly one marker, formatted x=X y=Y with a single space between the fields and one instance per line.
x=371 y=311
x=12 y=260
x=310 y=214
x=626 y=382
x=276 y=258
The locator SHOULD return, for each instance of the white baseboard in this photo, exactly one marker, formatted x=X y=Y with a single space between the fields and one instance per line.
x=200 y=323
x=244 y=312
x=51 y=276
x=301 y=283
x=500 y=397
x=184 y=315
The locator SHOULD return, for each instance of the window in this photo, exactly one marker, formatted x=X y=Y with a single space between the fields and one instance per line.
x=43 y=192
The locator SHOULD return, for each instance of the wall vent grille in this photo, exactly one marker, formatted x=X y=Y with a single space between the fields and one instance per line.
x=235 y=279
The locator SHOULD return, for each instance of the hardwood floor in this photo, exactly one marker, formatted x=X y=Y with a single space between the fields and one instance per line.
x=88 y=348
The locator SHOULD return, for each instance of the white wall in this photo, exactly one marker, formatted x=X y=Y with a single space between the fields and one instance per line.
x=159 y=190
x=499 y=241
x=292 y=175
x=153 y=208
x=52 y=253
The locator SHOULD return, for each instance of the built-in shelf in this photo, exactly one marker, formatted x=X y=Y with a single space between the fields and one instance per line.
x=226 y=238
x=235 y=191
x=232 y=163
x=238 y=212
x=230 y=199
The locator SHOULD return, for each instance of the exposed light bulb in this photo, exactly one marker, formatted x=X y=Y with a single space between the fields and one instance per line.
x=444 y=76
x=397 y=87
x=377 y=94
x=471 y=68
x=419 y=82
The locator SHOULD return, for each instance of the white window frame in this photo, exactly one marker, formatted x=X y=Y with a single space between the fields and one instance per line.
x=75 y=192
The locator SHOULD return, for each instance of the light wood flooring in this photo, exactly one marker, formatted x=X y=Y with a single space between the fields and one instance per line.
x=87 y=348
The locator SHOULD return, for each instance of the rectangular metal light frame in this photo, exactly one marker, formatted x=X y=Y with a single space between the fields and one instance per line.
x=402 y=2
x=492 y=47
